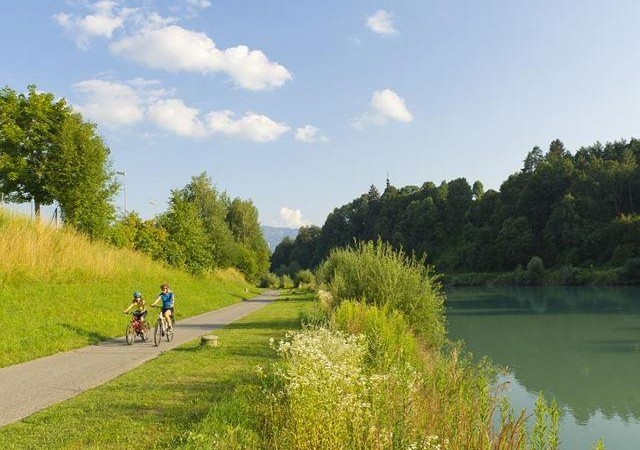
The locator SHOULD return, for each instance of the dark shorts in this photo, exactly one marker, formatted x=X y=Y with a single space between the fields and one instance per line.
x=167 y=309
x=139 y=314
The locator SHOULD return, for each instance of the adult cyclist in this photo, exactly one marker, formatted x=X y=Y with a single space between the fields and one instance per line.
x=168 y=299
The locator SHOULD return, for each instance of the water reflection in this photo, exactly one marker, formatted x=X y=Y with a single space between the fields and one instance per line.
x=579 y=345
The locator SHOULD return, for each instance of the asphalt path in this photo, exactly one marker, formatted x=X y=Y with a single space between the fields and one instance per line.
x=29 y=387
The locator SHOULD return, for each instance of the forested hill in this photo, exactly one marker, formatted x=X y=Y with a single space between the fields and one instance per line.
x=576 y=210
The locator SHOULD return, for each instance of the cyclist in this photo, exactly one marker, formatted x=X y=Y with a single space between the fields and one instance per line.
x=138 y=303
x=168 y=299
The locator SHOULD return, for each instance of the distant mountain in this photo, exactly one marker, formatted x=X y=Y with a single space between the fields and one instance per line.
x=274 y=235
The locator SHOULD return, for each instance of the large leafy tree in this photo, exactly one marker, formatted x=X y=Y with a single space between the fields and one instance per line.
x=48 y=153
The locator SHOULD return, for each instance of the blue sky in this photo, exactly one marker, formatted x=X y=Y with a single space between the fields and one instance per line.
x=301 y=105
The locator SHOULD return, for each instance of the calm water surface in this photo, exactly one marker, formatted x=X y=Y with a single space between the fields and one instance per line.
x=578 y=345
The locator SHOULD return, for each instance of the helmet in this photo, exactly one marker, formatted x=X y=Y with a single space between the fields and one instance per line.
x=137 y=294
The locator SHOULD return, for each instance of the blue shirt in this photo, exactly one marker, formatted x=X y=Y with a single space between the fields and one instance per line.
x=167 y=300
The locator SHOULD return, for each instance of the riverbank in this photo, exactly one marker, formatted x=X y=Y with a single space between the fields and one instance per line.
x=627 y=275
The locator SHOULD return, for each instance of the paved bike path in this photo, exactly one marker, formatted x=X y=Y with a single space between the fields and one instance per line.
x=29 y=387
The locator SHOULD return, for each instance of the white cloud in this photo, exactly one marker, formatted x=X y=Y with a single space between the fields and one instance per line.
x=109 y=103
x=310 y=134
x=105 y=19
x=292 y=218
x=173 y=48
x=173 y=115
x=254 y=127
x=113 y=104
x=199 y=3
x=382 y=23
x=385 y=105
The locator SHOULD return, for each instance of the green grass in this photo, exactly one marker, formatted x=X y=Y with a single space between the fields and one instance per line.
x=42 y=318
x=182 y=399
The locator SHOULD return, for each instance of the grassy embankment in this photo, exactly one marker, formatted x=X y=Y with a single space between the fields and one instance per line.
x=60 y=291
x=182 y=399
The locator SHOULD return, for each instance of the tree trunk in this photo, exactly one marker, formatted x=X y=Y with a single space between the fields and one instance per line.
x=36 y=207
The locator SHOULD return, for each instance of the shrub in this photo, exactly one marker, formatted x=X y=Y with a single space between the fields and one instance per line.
x=270 y=280
x=389 y=338
x=286 y=282
x=304 y=277
x=535 y=270
x=376 y=273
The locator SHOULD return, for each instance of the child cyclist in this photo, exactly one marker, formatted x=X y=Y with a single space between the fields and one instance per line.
x=168 y=299
x=140 y=311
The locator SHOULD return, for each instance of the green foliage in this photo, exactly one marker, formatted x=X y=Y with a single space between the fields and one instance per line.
x=571 y=210
x=389 y=338
x=544 y=435
x=49 y=154
x=270 y=280
x=631 y=270
x=535 y=270
x=304 y=277
x=377 y=274
x=286 y=282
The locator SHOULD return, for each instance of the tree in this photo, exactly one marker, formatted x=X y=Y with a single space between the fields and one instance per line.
x=82 y=181
x=212 y=208
x=242 y=218
x=28 y=138
x=48 y=153
x=186 y=245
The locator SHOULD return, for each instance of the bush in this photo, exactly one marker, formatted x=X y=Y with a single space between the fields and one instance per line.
x=535 y=270
x=304 y=277
x=286 y=282
x=270 y=280
x=375 y=273
x=389 y=338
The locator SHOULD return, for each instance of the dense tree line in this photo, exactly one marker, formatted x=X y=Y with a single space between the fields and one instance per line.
x=569 y=210
x=49 y=154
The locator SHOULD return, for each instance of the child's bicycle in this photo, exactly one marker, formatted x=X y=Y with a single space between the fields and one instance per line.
x=136 y=328
x=161 y=329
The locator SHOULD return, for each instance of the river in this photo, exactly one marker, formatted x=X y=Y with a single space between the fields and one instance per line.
x=579 y=345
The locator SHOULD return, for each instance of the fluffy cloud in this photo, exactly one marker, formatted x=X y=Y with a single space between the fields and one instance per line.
x=173 y=115
x=381 y=23
x=115 y=104
x=254 y=127
x=173 y=48
x=292 y=218
x=310 y=134
x=105 y=19
x=109 y=103
x=385 y=105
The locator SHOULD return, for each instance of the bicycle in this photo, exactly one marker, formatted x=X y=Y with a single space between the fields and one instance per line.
x=161 y=329
x=136 y=328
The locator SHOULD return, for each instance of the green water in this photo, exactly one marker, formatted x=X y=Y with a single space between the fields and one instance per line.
x=578 y=345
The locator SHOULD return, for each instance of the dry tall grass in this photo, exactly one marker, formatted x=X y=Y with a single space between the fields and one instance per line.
x=32 y=251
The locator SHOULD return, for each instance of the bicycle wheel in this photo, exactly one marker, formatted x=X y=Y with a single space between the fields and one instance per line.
x=157 y=334
x=169 y=334
x=146 y=331
x=130 y=334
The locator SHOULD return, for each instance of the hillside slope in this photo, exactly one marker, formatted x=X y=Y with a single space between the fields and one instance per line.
x=59 y=290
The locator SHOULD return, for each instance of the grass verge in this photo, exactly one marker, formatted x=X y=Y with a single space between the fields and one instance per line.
x=181 y=399
x=42 y=318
